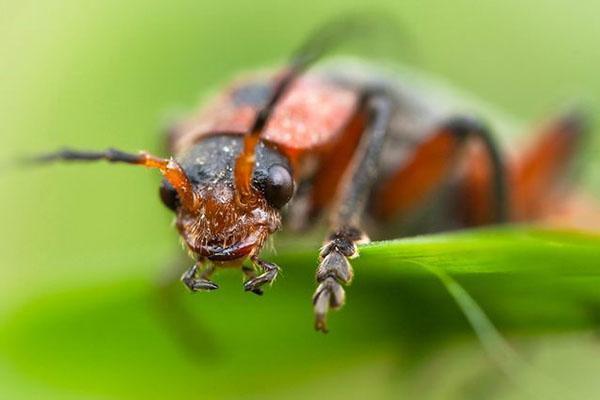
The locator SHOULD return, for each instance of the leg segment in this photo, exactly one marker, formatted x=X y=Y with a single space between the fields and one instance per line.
x=197 y=280
x=539 y=173
x=430 y=165
x=536 y=174
x=268 y=275
x=334 y=268
x=250 y=273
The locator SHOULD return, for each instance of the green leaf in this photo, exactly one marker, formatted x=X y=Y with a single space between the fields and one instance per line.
x=129 y=339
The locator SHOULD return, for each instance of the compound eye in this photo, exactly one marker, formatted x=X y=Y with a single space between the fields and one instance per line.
x=279 y=186
x=168 y=195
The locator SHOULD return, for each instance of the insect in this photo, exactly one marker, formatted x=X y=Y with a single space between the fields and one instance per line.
x=362 y=150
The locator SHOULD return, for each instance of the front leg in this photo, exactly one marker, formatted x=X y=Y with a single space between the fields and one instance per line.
x=250 y=273
x=197 y=280
x=341 y=245
x=268 y=275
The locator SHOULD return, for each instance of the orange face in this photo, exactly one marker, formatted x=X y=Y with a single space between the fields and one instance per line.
x=224 y=229
x=226 y=222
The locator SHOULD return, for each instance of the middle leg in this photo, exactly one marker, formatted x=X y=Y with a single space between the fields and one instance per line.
x=431 y=162
x=334 y=269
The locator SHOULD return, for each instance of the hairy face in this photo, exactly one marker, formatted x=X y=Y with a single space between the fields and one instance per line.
x=223 y=227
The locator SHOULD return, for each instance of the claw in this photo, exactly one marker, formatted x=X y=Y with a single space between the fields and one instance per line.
x=251 y=274
x=202 y=284
x=321 y=323
x=253 y=285
x=269 y=274
x=329 y=295
x=336 y=264
x=195 y=284
x=333 y=271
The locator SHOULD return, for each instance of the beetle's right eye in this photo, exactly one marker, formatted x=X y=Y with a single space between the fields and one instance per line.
x=168 y=195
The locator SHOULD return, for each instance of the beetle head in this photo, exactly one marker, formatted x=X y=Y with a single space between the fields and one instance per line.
x=229 y=223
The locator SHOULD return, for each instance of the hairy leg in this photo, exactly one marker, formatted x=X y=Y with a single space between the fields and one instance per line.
x=334 y=269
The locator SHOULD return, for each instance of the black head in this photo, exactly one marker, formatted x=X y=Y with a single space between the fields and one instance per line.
x=225 y=228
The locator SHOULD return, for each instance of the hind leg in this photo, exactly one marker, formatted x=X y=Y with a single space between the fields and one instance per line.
x=540 y=172
x=536 y=176
x=431 y=164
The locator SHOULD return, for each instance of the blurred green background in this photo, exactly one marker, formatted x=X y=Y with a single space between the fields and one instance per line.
x=81 y=247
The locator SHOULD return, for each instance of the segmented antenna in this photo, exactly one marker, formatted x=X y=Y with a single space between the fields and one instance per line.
x=170 y=169
x=321 y=42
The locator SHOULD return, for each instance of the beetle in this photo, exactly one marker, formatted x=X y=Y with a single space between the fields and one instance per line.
x=364 y=149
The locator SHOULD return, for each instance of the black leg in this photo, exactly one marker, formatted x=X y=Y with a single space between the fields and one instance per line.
x=268 y=274
x=334 y=268
x=470 y=128
x=404 y=190
x=250 y=273
x=197 y=280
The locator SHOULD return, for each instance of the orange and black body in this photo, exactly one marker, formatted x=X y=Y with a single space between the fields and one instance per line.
x=346 y=142
x=318 y=126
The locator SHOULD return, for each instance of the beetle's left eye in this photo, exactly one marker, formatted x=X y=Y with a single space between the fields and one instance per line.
x=278 y=187
x=168 y=195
